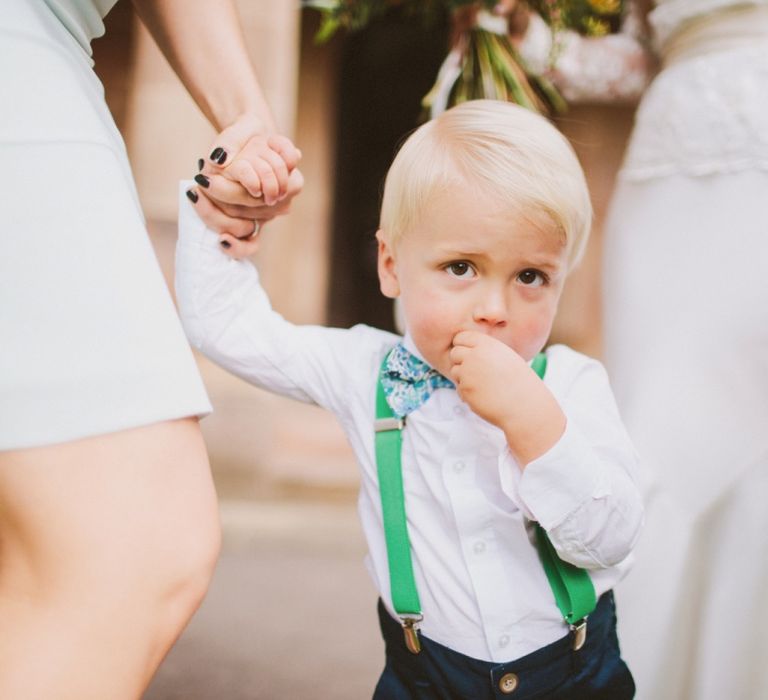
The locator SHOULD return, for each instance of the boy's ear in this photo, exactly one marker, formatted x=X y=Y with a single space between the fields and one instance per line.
x=388 y=282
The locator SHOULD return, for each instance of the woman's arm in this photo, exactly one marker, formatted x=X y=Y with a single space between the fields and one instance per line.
x=204 y=43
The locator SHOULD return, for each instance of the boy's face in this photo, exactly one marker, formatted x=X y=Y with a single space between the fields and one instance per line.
x=470 y=265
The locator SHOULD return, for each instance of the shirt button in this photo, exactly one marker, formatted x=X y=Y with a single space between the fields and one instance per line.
x=459 y=466
x=508 y=683
x=479 y=547
x=503 y=640
x=459 y=410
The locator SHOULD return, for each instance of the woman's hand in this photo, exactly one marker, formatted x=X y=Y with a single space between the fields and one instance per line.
x=249 y=178
x=261 y=162
x=239 y=221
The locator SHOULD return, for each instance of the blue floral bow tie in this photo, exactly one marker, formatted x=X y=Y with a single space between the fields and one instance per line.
x=408 y=381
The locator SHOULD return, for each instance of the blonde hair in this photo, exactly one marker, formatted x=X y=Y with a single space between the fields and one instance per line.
x=511 y=154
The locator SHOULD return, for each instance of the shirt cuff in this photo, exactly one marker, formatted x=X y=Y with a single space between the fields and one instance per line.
x=558 y=482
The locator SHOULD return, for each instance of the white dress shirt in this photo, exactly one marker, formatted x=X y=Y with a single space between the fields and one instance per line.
x=482 y=587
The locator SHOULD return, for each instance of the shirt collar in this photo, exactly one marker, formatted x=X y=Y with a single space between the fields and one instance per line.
x=410 y=346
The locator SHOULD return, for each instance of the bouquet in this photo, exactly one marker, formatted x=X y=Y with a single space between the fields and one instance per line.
x=483 y=61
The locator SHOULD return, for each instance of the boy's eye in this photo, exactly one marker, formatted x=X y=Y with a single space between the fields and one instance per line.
x=531 y=278
x=460 y=269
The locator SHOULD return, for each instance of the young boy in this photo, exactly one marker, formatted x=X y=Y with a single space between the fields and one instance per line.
x=485 y=210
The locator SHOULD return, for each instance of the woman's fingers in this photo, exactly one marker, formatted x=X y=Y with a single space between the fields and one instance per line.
x=238 y=238
x=223 y=190
x=226 y=208
x=232 y=139
x=217 y=220
x=239 y=248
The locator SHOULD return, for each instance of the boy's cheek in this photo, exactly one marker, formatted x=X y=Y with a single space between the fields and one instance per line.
x=433 y=335
x=528 y=338
x=427 y=312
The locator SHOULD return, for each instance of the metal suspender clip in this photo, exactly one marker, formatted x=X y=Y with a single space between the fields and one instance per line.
x=382 y=424
x=579 y=630
x=410 y=632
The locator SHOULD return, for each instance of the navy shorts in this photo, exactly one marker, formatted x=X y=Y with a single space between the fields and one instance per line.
x=556 y=671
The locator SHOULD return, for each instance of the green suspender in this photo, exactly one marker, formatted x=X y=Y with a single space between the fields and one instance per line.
x=574 y=593
x=405 y=597
x=572 y=587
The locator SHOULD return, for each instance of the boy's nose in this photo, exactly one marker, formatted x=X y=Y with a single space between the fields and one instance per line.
x=491 y=311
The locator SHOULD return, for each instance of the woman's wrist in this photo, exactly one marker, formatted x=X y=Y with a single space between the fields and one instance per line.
x=251 y=121
x=253 y=112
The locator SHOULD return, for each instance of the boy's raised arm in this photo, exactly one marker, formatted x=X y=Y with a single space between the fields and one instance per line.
x=227 y=315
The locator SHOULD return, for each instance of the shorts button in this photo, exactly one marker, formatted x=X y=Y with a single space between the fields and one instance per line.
x=508 y=683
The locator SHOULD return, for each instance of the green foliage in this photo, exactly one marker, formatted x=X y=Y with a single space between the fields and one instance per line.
x=589 y=17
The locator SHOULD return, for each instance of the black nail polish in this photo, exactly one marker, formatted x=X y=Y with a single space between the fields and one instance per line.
x=226 y=244
x=192 y=196
x=202 y=180
x=200 y=164
x=218 y=155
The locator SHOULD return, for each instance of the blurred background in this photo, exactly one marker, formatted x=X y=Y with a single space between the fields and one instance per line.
x=291 y=612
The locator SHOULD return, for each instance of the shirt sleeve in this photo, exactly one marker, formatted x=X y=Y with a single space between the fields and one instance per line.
x=227 y=315
x=611 y=68
x=583 y=491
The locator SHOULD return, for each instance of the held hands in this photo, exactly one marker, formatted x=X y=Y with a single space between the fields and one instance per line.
x=249 y=178
x=500 y=387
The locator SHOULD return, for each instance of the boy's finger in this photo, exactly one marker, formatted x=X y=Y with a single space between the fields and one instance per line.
x=231 y=140
x=295 y=183
x=243 y=171
x=284 y=147
x=458 y=354
x=468 y=339
x=279 y=169
x=270 y=187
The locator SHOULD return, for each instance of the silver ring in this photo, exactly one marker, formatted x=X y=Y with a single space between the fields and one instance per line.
x=254 y=233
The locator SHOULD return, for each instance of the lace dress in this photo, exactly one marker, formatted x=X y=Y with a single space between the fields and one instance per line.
x=686 y=338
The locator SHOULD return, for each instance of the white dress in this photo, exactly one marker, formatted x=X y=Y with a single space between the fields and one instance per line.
x=686 y=347
x=89 y=338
